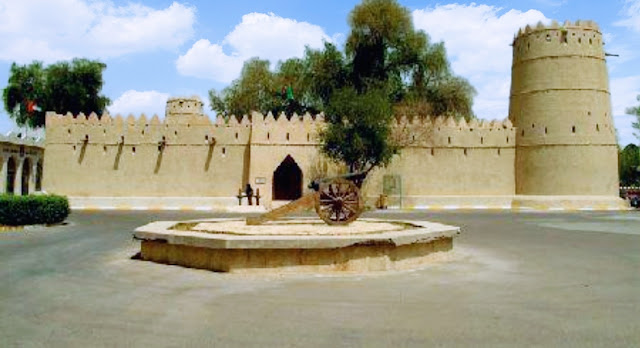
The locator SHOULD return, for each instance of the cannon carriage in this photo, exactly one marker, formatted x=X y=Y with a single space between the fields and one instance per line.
x=336 y=200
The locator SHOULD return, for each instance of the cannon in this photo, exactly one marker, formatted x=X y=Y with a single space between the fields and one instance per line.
x=336 y=200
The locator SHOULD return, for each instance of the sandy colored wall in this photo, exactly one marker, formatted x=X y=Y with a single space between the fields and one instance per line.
x=451 y=158
x=560 y=105
x=559 y=139
x=27 y=155
x=122 y=157
x=442 y=157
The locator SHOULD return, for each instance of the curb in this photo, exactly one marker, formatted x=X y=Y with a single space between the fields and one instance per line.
x=395 y=208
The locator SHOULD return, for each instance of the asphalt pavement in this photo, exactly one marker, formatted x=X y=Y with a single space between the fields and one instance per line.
x=513 y=280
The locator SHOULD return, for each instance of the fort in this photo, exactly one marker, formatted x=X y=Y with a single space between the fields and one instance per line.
x=557 y=148
x=21 y=164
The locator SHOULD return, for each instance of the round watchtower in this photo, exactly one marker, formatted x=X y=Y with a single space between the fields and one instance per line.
x=560 y=105
x=178 y=106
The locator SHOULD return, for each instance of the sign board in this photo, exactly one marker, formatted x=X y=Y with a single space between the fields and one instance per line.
x=261 y=180
x=392 y=188
x=391 y=185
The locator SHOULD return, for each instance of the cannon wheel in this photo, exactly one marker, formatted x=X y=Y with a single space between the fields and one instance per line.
x=338 y=202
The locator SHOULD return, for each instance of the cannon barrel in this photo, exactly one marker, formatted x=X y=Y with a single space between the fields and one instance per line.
x=356 y=177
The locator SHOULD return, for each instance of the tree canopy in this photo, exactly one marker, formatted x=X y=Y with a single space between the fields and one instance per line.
x=383 y=51
x=61 y=87
x=635 y=111
x=388 y=68
x=629 y=164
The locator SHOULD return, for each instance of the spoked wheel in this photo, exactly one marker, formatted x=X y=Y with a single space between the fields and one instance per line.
x=339 y=202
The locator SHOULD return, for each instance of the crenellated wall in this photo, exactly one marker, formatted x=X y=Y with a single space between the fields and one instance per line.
x=186 y=155
x=445 y=157
x=558 y=141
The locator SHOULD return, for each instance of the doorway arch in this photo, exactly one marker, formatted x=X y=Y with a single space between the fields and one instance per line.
x=26 y=176
x=11 y=175
x=287 y=180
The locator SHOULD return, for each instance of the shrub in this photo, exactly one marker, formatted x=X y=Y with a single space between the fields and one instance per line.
x=33 y=209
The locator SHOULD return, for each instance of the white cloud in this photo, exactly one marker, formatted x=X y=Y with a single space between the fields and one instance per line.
x=60 y=29
x=267 y=36
x=477 y=38
x=207 y=60
x=631 y=13
x=140 y=102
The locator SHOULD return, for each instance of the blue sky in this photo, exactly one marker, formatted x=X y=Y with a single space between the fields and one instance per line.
x=156 y=49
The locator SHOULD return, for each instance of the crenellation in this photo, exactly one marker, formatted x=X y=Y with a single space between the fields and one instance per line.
x=269 y=118
x=559 y=115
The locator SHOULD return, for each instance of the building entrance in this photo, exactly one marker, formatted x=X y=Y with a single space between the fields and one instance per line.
x=11 y=175
x=287 y=180
x=26 y=176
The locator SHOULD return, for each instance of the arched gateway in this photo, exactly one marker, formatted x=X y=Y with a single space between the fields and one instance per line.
x=26 y=176
x=11 y=176
x=287 y=180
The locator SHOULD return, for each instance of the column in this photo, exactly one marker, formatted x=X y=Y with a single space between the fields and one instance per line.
x=32 y=177
x=3 y=173
x=17 y=187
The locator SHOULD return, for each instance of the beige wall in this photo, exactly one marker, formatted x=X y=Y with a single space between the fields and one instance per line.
x=560 y=105
x=27 y=155
x=442 y=156
x=559 y=139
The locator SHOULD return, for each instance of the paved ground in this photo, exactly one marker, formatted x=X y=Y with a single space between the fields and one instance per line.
x=515 y=279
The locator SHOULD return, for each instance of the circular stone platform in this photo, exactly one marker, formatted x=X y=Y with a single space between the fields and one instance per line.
x=295 y=246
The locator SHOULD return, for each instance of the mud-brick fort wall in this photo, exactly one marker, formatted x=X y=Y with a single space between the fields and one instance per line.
x=185 y=155
x=118 y=157
x=558 y=140
x=560 y=104
x=448 y=157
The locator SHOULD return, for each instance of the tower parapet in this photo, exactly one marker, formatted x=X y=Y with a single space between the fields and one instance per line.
x=560 y=105
x=183 y=108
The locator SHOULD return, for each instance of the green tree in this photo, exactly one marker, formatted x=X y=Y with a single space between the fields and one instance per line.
x=635 y=111
x=390 y=64
x=327 y=72
x=253 y=90
x=358 y=129
x=61 y=87
x=388 y=67
x=388 y=52
x=382 y=43
x=628 y=165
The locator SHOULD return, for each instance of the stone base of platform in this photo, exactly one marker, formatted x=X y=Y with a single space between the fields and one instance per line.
x=411 y=247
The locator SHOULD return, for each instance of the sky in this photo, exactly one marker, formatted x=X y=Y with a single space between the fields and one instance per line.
x=162 y=48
